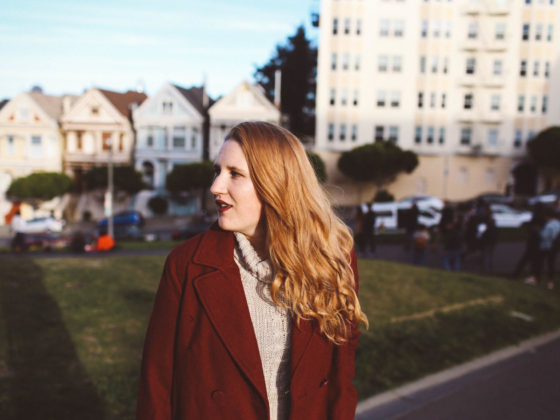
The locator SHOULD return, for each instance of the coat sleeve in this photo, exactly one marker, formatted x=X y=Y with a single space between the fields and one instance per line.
x=343 y=397
x=154 y=396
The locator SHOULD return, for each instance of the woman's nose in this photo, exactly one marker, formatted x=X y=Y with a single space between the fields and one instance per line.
x=217 y=186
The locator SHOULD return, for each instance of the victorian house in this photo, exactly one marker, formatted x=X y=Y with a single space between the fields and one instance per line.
x=170 y=129
x=98 y=127
x=245 y=102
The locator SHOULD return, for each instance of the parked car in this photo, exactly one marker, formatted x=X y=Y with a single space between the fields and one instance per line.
x=391 y=215
x=424 y=201
x=124 y=218
x=508 y=217
x=44 y=224
x=493 y=198
x=550 y=198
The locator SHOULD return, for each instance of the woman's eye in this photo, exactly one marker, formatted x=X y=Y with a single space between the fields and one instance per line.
x=235 y=174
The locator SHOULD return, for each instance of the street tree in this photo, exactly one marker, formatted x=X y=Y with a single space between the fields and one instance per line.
x=125 y=178
x=318 y=166
x=191 y=177
x=297 y=61
x=379 y=163
x=41 y=186
x=544 y=150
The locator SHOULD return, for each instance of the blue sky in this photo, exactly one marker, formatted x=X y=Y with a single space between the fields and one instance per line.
x=66 y=46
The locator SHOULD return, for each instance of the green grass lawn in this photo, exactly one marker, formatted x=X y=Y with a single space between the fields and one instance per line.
x=71 y=329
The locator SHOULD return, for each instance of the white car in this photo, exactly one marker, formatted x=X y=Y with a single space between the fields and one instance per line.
x=387 y=214
x=44 y=224
x=508 y=217
x=551 y=197
x=423 y=201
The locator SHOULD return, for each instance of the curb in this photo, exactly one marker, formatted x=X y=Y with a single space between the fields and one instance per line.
x=407 y=390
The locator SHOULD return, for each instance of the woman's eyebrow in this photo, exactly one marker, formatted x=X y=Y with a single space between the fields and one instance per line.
x=235 y=169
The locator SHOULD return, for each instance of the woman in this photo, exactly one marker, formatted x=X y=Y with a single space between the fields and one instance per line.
x=257 y=317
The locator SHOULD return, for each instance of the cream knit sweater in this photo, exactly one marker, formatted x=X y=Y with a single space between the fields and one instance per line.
x=271 y=324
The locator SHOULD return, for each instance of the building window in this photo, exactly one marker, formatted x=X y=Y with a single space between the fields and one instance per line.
x=344 y=97
x=430 y=135
x=497 y=67
x=395 y=99
x=380 y=98
x=346 y=26
x=530 y=136
x=335 y=26
x=359 y=27
x=420 y=99
x=418 y=135
x=490 y=176
x=345 y=61
x=36 y=146
x=354 y=132
x=342 y=133
x=423 y=64
x=466 y=133
x=333 y=61
x=432 y=100
x=167 y=107
x=11 y=149
x=393 y=133
x=549 y=34
x=435 y=28
x=179 y=134
x=500 y=31
x=94 y=110
x=493 y=137
x=471 y=64
x=518 y=139
x=332 y=99
x=398 y=29
x=523 y=68
x=379 y=133
x=330 y=134
x=445 y=64
x=525 y=33
x=533 y=107
x=397 y=63
x=424 y=30
x=472 y=32
x=521 y=103
x=544 y=105
x=538 y=32
x=357 y=62
x=382 y=61
x=468 y=102
x=495 y=102
x=106 y=141
x=448 y=29
x=443 y=98
x=536 y=69
x=356 y=97
x=194 y=138
x=441 y=135
x=383 y=27
x=150 y=137
x=547 y=69
x=434 y=64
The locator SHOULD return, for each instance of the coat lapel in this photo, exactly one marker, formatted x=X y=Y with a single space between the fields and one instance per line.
x=221 y=294
x=301 y=338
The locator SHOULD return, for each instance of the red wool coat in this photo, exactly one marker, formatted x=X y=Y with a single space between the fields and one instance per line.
x=201 y=360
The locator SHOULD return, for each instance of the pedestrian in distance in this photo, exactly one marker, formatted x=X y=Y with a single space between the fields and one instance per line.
x=257 y=318
x=18 y=230
x=530 y=254
x=420 y=242
x=487 y=238
x=453 y=244
x=411 y=225
x=368 y=229
x=359 y=229
x=549 y=235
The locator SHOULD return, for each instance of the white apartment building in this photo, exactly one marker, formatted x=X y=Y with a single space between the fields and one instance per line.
x=464 y=83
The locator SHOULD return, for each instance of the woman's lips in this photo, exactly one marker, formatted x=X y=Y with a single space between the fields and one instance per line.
x=223 y=206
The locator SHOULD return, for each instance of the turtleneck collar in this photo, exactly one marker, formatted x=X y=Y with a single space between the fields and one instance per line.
x=246 y=255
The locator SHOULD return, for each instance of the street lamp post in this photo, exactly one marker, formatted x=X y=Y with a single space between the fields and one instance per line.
x=109 y=193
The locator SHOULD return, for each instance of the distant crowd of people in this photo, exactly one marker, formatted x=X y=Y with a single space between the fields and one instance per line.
x=465 y=234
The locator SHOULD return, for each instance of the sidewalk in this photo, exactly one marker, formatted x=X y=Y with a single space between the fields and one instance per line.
x=517 y=383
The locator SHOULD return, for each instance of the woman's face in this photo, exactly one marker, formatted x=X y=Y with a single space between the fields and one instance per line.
x=239 y=208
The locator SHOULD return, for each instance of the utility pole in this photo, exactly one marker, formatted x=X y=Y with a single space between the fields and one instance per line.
x=109 y=193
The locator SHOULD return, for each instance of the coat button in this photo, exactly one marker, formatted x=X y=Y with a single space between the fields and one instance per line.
x=324 y=382
x=217 y=396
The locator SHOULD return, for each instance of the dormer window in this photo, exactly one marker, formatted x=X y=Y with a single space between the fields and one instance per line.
x=167 y=107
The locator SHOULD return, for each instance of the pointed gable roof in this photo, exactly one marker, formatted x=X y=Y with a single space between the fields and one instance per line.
x=195 y=95
x=3 y=103
x=52 y=105
x=122 y=101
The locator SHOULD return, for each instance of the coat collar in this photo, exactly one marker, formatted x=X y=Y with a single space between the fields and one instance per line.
x=221 y=293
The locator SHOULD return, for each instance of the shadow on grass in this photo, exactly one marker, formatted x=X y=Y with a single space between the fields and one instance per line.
x=45 y=378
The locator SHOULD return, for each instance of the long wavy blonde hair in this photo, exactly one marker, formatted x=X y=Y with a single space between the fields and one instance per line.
x=308 y=245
